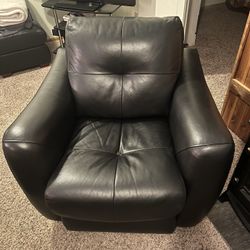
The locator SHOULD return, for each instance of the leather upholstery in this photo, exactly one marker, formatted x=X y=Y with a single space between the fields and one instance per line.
x=24 y=39
x=34 y=57
x=159 y=226
x=203 y=145
x=132 y=76
x=116 y=166
x=23 y=49
x=103 y=164
x=35 y=142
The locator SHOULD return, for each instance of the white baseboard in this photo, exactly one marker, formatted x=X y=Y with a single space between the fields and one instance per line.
x=212 y=2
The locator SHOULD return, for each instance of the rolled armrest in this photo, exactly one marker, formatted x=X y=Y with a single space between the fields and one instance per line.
x=203 y=145
x=34 y=144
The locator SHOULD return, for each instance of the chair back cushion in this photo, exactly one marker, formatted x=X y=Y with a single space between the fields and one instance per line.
x=123 y=67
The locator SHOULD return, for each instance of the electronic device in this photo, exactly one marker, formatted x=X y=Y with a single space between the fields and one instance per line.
x=117 y=2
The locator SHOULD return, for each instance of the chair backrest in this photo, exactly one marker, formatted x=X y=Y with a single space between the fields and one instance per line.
x=123 y=67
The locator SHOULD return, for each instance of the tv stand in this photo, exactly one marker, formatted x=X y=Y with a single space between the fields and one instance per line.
x=73 y=6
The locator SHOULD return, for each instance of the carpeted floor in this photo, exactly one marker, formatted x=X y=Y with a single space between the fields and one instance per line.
x=229 y=225
x=22 y=227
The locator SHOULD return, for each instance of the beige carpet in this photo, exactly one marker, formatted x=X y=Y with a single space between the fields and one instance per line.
x=22 y=227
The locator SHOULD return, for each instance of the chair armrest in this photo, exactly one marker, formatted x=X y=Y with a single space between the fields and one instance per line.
x=34 y=144
x=203 y=145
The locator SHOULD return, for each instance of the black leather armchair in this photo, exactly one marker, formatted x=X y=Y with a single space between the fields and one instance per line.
x=123 y=134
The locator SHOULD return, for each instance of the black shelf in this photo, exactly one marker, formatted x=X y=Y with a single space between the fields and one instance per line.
x=62 y=26
x=238 y=193
x=69 y=5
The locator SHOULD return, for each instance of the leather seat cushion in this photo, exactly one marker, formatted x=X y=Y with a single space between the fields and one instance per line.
x=118 y=171
x=24 y=39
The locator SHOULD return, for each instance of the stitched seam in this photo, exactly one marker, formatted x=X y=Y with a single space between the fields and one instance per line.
x=92 y=149
x=123 y=153
x=121 y=96
x=204 y=145
x=141 y=149
x=97 y=133
x=123 y=21
x=134 y=73
x=120 y=135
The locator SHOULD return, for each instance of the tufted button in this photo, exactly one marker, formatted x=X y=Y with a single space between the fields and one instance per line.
x=119 y=153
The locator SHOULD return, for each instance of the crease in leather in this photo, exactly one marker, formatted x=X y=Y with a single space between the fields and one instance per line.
x=123 y=21
x=97 y=133
x=115 y=174
x=120 y=135
x=93 y=149
x=120 y=151
x=203 y=145
x=141 y=149
x=83 y=125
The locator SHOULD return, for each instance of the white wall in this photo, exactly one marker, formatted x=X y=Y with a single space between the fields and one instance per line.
x=170 y=8
x=146 y=8
x=126 y=11
x=151 y=8
x=192 y=21
x=42 y=15
x=159 y=8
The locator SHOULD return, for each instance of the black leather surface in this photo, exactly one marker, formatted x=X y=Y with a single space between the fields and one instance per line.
x=14 y=61
x=129 y=68
x=203 y=145
x=24 y=39
x=35 y=142
x=118 y=171
x=159 y=226
x=130 y=168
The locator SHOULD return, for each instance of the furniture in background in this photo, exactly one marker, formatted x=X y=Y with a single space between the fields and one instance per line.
x=123 y=134
x=236 y=108
x=22 y=42
x=23 y=49
x=238 y=5
x=99 y=7
x=238 y=192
